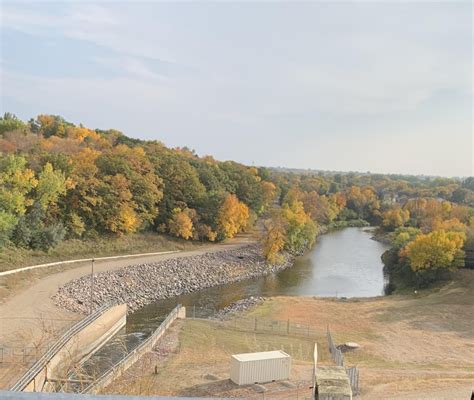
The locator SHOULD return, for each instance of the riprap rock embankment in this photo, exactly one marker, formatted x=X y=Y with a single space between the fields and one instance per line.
x=142 y=284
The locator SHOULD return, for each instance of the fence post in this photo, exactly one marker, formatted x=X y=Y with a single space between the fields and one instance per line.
x=288 y=327
x=255 y=328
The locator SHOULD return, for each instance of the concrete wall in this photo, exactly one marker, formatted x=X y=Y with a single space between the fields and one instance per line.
x=131 y=358
x=79 y=347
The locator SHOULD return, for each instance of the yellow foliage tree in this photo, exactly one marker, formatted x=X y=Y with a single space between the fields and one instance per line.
x=51 y=185
x=269 y=192
x=437 y=249
x=395 y=217
x=275 y=238
x=128 y=221
x=452 y=224
x=181 y=224
x=233 y=216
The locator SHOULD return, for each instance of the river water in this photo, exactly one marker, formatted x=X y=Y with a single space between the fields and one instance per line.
x=343 y=263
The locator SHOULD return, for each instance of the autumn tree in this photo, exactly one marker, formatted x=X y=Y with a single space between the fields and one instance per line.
x=16 y=184
x=395 y=217
x=143 y=184
x=51 y=185
x=182 y=187
x=274 y=238
x=233 y=216
x=433 y=253
x=363 y=201
x=115 y=209
x=181 y=223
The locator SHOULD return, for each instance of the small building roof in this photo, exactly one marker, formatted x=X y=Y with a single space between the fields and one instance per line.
x=263 y=355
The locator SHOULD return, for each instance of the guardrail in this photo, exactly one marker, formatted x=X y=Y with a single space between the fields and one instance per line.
x=53 y=350
x=122 y=365
x=52 y=264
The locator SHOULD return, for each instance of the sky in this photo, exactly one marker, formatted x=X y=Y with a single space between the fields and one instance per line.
x=347 y=86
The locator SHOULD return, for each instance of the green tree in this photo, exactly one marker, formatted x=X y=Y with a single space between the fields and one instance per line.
x=51 y=185
x=9 y=122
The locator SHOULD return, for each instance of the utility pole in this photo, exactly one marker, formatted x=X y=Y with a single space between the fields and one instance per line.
x=92 y=286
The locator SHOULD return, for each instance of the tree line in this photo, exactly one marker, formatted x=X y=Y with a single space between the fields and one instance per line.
x=61 y=181
x=429 y=222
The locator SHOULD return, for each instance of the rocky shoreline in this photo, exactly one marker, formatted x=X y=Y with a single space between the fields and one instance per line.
x=142 y=284
x=237 y=307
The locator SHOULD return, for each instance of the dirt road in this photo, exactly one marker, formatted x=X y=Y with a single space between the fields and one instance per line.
x=29 y=318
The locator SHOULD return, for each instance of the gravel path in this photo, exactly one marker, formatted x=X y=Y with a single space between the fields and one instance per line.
x=141 y=284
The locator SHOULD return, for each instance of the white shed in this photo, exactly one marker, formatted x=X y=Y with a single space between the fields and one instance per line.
x=267 y=366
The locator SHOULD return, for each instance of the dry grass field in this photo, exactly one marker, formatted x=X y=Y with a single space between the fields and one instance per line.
x=412 y=347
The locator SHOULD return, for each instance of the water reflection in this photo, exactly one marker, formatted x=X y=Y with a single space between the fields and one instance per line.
x=343 y=263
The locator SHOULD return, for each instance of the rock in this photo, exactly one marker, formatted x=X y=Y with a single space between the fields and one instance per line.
x=211 y=377
x=142 y=284
x=349 y=346
x=237 y=307
x=259 y=388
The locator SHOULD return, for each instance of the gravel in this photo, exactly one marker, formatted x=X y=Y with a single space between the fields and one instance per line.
x=142 y=284
x=237 y=307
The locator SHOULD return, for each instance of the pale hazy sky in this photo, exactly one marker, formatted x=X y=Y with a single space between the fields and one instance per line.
x=381 y=87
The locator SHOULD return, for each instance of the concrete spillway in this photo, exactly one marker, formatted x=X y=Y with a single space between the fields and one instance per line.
x=76 y=344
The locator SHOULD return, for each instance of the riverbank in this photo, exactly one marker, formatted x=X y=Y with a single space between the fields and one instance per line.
x=412 y=347
x=142 y=284
x=31 y=319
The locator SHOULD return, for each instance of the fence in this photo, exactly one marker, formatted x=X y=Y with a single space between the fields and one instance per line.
x=277 y=327
x=336 y=354
x=147 y=345
x=338 y=358
x=39 y=365
x=353 y=374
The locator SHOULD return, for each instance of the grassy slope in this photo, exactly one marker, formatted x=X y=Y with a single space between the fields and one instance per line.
x=205 y=348
x=409 y=342
x=11 y=258
x=412 y=346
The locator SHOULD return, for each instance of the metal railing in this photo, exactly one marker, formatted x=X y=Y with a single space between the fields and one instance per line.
x=338 y=358
x=54 y=349
x=120 y=365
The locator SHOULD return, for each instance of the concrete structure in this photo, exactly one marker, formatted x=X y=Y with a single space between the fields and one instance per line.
x=179 y=312
x=77 y=344
x=332 y=383
x=267 y=366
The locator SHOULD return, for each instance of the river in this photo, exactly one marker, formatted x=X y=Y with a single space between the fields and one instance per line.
x=343 y=263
